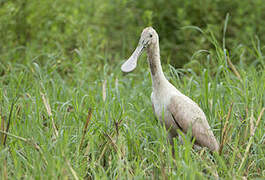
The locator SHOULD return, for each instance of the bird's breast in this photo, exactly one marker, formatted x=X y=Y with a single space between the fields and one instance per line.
x=160 y=103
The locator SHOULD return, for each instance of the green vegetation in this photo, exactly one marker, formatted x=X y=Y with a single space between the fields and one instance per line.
x=58 y=59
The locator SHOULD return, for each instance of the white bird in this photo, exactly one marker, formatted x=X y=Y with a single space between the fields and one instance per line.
x=174 y=109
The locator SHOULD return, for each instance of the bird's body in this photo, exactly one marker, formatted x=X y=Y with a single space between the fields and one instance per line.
x=172 y=108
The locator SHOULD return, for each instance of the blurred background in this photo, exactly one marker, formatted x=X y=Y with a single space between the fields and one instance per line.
x=108 y=30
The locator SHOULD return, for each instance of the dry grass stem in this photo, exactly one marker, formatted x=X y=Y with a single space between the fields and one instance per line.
x=104 y=94
x=117 y=124
x=234 y=68
x=226 y=129
x=49 y=112
x=117 y=85
x=8 y=122
x=251 y=140
x=28 y=141
x=89 y=115
x=252 y=119
x=258 y=121
x=71 y=169
x=103 y=152
x=2 y=127
x=14 y=136
x=112 y=142
x=246 y=129
x=5 y=175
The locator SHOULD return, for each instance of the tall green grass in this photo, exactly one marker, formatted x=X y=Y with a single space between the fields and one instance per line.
x=124 y=140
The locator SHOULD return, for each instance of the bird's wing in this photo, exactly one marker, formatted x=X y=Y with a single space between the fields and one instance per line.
x=187 y=114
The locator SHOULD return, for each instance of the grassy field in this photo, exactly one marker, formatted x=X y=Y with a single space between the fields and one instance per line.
x=70 y=113
x=123 y=139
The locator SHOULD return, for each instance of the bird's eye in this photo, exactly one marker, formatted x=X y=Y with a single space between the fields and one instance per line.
x=150 y=35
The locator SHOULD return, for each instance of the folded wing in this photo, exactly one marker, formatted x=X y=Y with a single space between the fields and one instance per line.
x=187 y=114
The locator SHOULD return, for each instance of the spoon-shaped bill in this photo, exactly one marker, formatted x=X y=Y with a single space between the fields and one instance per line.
x=131 y=63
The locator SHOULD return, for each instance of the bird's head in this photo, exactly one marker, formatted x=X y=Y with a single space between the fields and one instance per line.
x=148 y=38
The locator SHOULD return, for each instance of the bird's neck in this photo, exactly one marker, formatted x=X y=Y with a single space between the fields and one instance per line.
x=153 y=56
